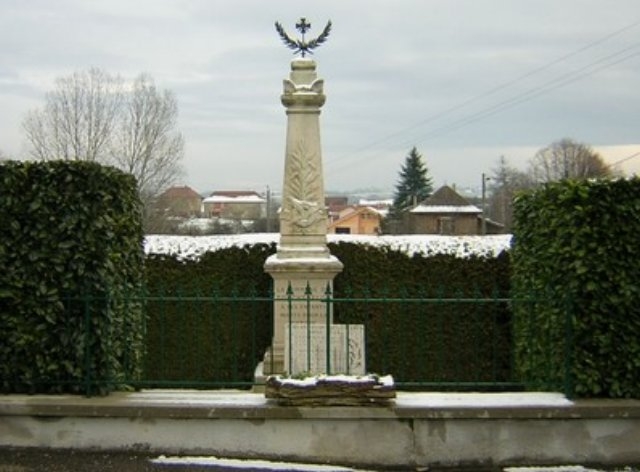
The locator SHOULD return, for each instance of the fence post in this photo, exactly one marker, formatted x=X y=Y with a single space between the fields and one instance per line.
x=254 y=315
x=385 y=329
x=327 y=300
x=234 y=314
x=569 y=307
x=87 y=344
x=272 y=298
x=307 y=295
x=290 y=310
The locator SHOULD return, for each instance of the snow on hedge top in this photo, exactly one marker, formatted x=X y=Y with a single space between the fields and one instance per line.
x=192 y=247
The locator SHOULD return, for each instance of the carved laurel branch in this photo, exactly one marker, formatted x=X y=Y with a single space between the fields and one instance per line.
x=303 y=178
x=304 y=184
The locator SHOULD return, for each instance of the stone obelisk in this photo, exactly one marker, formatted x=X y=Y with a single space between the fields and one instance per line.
x=303 y=263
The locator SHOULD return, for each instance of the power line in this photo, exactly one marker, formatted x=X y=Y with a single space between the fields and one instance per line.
x=535 y=92
x=625 y=159
x=529 y=95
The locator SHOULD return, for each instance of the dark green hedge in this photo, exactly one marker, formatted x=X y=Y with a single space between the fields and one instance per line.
x=212 y=321
x=70 y=252
x=200 y=340
x=440 y=342
x=577 y=247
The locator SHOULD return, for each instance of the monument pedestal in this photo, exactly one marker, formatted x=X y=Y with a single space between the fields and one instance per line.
x=302 y=290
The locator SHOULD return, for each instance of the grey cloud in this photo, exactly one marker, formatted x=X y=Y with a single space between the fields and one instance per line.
x=396 y=74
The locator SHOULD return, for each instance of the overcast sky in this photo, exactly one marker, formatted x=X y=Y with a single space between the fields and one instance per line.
x=465 y=81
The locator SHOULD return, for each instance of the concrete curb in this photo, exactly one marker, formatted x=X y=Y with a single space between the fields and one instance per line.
x=420 y=429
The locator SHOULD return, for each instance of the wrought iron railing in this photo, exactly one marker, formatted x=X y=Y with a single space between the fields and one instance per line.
x=194 y=340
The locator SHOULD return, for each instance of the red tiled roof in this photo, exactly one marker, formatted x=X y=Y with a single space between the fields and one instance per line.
x=180 y=192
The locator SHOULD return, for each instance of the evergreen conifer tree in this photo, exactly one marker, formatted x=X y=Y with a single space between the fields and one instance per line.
x=414 y=184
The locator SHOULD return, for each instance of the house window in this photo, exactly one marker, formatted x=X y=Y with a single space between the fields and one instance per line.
x=343 y=230
x=446 y=225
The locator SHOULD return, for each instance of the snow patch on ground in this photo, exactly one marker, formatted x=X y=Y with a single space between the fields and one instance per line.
x=216 y=398
x=193 y=247
x=238 y=464
x=481 y=400
x=207 y=398
x=559 y=468
x=249 y=464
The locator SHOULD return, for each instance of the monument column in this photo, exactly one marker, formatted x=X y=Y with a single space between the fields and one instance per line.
x=303 y=218
x=302 y=263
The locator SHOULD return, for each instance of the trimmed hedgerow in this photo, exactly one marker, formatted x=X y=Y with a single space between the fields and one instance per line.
x=193 y=340
x=212 y=319
x=577 y=248
x=463 y=334
x=71 y=253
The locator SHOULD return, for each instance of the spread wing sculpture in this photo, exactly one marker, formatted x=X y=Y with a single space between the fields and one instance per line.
x=300 y=46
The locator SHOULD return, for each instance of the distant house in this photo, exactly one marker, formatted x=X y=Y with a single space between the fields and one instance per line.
x=357 y=220
x=335 y=205
x=382 y=206
x=235 y=204
x=181 y=202
x=447 y=212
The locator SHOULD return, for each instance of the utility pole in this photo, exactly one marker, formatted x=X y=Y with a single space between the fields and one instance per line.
x=484 y=203
x=268 y=212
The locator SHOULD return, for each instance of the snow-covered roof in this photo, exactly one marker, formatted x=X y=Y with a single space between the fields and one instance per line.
x=445 y=200
x=377 y=211
x=445 y=209
x=234 y=199
x=365 y=202
x=197 y=223
x=352 y=210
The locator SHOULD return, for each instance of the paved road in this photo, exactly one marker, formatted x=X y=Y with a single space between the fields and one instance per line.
x=21 y=460
x=51 y=460
x=45 y=460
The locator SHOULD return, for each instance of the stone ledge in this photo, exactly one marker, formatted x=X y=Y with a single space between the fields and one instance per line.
x=244 y=405
x=418 y=430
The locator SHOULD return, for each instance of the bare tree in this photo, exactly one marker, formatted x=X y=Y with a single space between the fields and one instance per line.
x=94 y=116
x=567 y=159
x=78 y=118
x=146 y=142
x=505 y=182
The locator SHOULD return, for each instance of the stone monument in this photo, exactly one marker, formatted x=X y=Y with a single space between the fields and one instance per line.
x=302 y=266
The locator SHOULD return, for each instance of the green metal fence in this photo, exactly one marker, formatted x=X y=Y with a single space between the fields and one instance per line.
x=460 y=342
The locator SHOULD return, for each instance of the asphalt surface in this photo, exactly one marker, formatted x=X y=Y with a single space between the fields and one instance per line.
x=56 y=460
x=53 y=460
x=23 y=460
